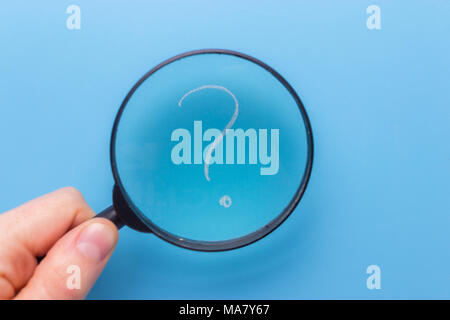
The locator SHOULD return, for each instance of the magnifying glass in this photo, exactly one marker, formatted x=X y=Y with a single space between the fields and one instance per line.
x=211 y=150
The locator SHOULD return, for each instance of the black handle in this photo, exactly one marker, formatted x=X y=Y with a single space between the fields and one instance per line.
x=111 y=214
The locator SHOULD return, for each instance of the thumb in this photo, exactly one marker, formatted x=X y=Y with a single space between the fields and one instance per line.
x=74 y=263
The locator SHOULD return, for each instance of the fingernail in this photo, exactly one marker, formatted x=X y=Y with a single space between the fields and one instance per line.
x=96 y=241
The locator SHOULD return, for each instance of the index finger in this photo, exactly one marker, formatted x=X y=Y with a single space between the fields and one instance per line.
x=39 y=223
x=31 y=230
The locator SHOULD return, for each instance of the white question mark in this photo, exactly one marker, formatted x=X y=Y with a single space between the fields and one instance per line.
x=225 y=200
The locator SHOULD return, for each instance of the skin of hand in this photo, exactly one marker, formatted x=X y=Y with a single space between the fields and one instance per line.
x=59 y=227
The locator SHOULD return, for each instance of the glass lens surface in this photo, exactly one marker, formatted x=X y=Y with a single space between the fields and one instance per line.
x=211 y=147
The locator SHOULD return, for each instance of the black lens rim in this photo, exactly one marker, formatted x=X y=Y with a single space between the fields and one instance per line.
x=235 y=242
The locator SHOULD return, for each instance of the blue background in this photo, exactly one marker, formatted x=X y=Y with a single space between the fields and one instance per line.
x=379 y=106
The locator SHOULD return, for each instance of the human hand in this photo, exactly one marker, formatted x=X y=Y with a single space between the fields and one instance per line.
x=59 y=227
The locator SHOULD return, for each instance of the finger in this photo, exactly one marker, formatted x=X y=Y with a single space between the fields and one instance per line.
x=73 y=265
x=31 y=230
x=38 y=224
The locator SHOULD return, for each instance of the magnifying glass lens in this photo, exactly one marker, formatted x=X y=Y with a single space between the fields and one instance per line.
x=210 y=147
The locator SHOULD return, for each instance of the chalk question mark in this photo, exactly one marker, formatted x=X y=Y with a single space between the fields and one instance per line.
x=225 y=200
